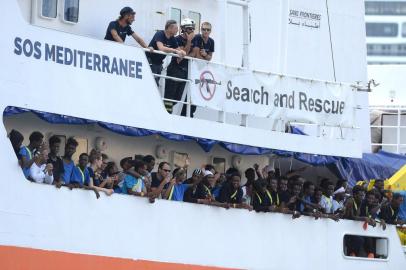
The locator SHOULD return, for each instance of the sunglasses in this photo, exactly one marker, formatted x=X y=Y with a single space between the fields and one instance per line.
x=206 y=29
x=190 y=29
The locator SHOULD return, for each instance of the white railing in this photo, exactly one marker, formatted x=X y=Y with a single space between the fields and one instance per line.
x=400 y=113
x=279 y=125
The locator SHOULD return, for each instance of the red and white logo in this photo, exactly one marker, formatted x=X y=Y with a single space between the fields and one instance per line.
x=207 y=85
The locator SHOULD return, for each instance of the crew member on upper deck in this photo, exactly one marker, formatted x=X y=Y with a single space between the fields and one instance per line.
x=119 y=29
x=164 y=41
x=179 y=67
x=203 y=44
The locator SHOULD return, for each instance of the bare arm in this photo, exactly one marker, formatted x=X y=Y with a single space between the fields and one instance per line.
x=115 y=36
x=163 y=48
x=139 y=40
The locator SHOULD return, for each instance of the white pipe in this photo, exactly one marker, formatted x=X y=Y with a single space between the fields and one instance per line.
x=34 y=10
x=240 y=3
x=398 y=133
x=246 y=37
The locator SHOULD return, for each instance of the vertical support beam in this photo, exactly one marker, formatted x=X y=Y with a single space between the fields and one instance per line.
x=246 y=30
x=34 y=12
x=221 y=117
x=398 y=132
x=188 y=92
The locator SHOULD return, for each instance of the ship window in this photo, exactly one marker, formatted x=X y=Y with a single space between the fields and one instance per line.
x=219 y=164
x=71 y=11
x=49 y=8
x=386 y=49
x=404 y=29
x=365 y=247
x=176 y=15
x=382 y=29
x=385 y=8
x=196 y=17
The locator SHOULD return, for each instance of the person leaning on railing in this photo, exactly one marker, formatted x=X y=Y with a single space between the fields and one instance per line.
x=179 y=67
x=40 y=171
x=163 y=40
x=203 y=44
x=119 y=29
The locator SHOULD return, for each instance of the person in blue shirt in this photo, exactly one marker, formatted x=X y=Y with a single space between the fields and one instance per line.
x=68 y=164
x=164 y=41
x=203 y=44
x=16 y=139
x=27 y=153
x=136 y=186
x=80 y=173
x=176 y=189
x=402 y=209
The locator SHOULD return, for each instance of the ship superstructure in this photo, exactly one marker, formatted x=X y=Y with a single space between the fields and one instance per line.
x=296 y=54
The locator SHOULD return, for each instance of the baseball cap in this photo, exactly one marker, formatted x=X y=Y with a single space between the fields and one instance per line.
x=197 y=171
x=126 y=10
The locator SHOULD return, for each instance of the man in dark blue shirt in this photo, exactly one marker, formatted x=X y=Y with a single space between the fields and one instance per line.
x=203 y=44
x=119 y=29
x=179 y=67
x=164 y=41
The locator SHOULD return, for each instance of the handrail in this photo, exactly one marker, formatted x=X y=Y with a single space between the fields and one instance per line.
x=352 y=85
x=189 y=104
x=397 y=111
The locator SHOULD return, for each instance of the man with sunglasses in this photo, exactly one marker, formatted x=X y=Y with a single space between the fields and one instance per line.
x=179 y=67
x=161 y=178
x=203 y=44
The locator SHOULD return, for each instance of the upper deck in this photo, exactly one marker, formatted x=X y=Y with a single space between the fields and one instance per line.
x=323 y=62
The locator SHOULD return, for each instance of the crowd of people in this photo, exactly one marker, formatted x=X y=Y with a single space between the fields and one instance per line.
x=187 y=43
x=265 y=190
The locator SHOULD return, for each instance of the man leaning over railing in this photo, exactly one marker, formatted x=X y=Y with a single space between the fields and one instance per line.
x=163 y=40
x=179 y=67
x=119 y=29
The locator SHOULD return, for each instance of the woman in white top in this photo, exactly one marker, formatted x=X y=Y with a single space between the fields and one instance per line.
x=40 y=172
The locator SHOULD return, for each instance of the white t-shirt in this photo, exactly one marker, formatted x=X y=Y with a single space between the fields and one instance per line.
x=38 y=174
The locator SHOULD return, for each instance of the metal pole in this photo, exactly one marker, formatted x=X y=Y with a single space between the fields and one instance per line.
x=398 y=134
x=188 y=92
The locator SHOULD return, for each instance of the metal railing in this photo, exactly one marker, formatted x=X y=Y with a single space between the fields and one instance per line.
x=280 y=125
x=400 y=113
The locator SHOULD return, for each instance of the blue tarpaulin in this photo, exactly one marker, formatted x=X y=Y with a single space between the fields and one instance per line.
x=380 y=165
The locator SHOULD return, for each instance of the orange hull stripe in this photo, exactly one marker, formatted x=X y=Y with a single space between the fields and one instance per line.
x=16 y=258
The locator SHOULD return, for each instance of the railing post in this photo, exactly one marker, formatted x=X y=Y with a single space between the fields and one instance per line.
x=189 y=91
x=221 y=117
x=398 y=133
x=244 y=120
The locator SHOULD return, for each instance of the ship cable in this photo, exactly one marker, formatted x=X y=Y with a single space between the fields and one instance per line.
x=331 y=43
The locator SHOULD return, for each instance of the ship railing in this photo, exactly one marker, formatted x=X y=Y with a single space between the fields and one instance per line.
x=278 y=125
x=392 y=134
